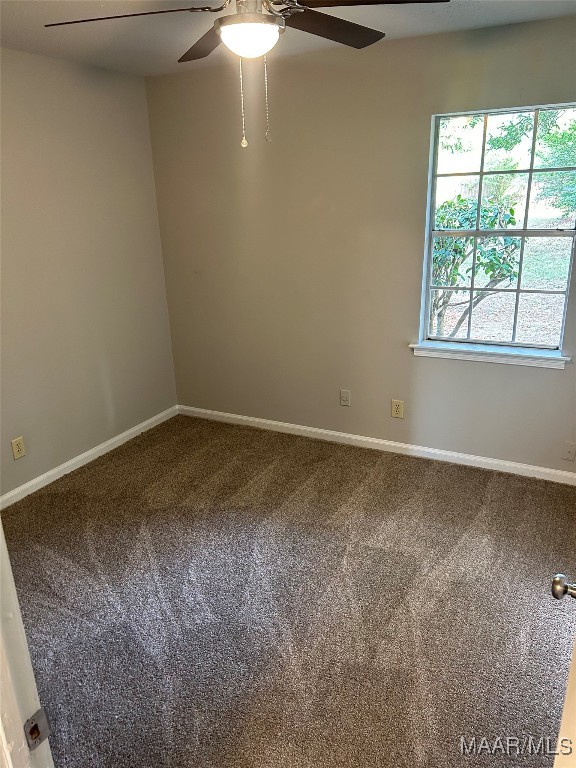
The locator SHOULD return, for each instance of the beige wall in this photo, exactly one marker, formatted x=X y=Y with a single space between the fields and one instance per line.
x=294 y=268
x=85 y=336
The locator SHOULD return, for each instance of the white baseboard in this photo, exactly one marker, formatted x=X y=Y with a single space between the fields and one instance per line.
x=527 y=470
x=84 y=458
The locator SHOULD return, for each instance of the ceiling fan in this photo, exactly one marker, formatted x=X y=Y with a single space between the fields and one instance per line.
x=257 y=24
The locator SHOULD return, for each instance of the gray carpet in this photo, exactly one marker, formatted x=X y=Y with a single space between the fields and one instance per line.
x=213 y=596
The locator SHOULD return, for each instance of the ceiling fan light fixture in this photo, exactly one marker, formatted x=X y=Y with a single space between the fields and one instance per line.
x=250 y=35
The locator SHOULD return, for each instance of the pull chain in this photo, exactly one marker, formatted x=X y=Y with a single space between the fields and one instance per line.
x=244 y=141
x=266 y=96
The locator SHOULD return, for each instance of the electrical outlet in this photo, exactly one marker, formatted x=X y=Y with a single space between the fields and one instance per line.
x=345 y=397
x=18 y=447
x=397 y=409
x=569 y=453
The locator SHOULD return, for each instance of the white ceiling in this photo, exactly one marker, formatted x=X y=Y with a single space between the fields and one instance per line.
x=153 y=44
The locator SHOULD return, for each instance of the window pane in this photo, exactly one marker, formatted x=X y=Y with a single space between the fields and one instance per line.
x=497 y=262
x=553 y=201
x=456 y=202
x=493 y=316
x=540 y=319
x=509 y=141
x=556 y=138
x=504 y=201
x=448 y=313
x=452 y=261
x=546 y=263
x=460 y=144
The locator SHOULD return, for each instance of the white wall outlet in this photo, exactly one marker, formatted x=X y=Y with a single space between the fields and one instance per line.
x=569 y=453
x=397 y=409
x=18 y=447
x=345 y=397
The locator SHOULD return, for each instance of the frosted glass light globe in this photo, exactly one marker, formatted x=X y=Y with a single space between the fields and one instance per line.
x=251 y=38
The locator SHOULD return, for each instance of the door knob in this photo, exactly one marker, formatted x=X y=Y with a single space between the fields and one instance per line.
x=560 y=587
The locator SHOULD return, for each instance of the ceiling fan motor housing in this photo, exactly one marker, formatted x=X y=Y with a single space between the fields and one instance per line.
x=250 y=18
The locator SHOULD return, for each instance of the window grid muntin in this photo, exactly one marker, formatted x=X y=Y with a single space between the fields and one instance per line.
x=523 y=239
x=496 y=290
x=507 y=172
x=478 y=212
x=522 y=233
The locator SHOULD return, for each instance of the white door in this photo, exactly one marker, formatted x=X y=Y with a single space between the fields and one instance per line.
x=566 y=746
x=567 y=738
x=19 y=699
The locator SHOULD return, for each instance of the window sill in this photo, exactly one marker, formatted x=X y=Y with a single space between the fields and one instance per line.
x=488 y=353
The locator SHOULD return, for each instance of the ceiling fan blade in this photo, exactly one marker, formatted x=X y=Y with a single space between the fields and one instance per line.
x=332 y=28
x=203 y=47
x=352 y=3
x=125 y=16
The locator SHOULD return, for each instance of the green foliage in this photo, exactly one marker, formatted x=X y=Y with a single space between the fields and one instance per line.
x=559 y=150
x=555 y=148
x=449 y=260
x=513 y=133
x=459 y=213
x=454 y=143
x=496 y=257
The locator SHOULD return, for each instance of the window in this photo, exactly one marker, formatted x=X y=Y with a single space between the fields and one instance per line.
x=502 y=226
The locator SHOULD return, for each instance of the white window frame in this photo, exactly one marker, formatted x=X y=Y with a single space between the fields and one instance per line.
x=510 y=353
